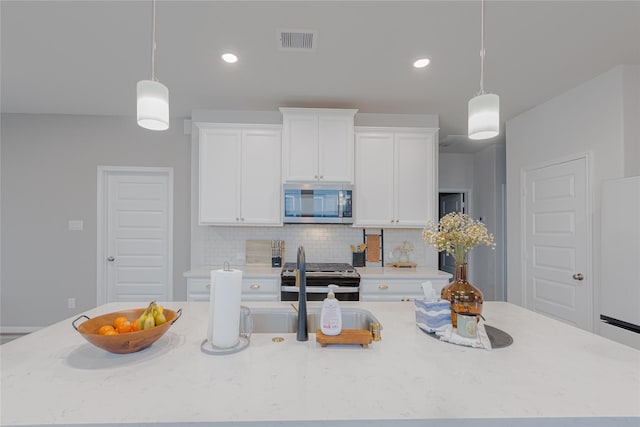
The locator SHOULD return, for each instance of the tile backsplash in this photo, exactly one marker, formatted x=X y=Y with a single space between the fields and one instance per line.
x=322 y=243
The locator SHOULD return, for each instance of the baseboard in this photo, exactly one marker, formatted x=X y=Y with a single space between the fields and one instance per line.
x=19 y=329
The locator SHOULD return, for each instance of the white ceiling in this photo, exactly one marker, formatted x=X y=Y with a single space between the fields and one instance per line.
x=85 y=57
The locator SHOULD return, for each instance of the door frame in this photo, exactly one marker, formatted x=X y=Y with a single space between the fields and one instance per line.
x=101 y=223
x=468 y=195
x=587 y=157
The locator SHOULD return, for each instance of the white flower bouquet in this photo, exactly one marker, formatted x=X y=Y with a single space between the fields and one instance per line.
x=457 y=234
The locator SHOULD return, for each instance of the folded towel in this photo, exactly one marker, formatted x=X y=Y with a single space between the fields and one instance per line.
x=449 y=334
x=433 y=316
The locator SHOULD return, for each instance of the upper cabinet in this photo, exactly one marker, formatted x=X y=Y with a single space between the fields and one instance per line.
x=395 y=177
x=317 y=145
x=239 y=174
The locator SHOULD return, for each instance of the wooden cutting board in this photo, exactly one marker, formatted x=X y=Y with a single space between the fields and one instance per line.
x=258 y=252
x=347 y=336
x=373 y=248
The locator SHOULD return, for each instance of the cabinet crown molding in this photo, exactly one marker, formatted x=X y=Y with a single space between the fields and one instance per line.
x=290 y=110
x=392 y=129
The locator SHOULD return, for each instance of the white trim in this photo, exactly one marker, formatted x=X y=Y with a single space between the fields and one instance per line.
x=103 y=173
x=587 y=156
x=19 y=329
x=207 y=125
x=404 y=129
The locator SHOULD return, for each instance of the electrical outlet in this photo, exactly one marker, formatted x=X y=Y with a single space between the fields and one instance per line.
x=71 y=303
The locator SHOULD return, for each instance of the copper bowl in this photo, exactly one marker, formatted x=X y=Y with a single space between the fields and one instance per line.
x=129 y=342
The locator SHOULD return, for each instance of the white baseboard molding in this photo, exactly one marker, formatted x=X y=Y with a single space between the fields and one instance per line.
x=19 y=329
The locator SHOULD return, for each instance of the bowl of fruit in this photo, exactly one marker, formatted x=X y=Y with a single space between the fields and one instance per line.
x=127 y=331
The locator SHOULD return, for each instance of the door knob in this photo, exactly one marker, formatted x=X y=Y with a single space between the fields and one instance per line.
x=111 y=259
x=578 y=276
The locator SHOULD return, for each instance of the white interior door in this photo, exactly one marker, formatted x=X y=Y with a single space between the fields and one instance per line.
x=135 y=245
x=556 y=242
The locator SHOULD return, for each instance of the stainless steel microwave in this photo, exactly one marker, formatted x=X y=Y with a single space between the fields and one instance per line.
x=318 y=203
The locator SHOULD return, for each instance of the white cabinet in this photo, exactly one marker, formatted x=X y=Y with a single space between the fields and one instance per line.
x=395 y=177
x=396 y=289
x=253 y=289
x=317 y=145
x=239 y=174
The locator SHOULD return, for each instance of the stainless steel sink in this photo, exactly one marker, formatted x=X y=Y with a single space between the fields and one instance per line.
x=268 y=320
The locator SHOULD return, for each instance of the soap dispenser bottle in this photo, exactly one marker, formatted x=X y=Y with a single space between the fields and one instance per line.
x=331 y=315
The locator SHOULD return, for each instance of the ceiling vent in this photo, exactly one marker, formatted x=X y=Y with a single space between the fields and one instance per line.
x=297 y=40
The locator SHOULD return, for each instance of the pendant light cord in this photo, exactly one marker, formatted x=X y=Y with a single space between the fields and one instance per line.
x=481 y=48
x=153 y=44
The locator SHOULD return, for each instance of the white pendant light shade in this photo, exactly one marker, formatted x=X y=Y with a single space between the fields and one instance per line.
x=153 y=105
x=484 y=116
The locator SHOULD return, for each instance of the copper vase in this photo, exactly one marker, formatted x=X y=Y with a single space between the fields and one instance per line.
x=463 y=296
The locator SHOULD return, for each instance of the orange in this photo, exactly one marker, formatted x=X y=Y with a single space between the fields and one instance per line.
x=118 y=321
x=106 y=330
x=123 y=328
x=111 y=332
x=134 y=326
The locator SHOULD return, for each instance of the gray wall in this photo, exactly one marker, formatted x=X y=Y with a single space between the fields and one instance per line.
x=49 y=176
x=597 y=118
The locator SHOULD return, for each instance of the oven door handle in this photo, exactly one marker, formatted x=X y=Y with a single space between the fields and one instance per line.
x=323 y=289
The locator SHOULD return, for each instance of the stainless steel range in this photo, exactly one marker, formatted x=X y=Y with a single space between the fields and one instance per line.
x=319 y=277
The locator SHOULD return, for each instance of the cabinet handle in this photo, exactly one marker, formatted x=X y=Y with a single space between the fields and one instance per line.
x=383 y=286
x=208 y=286
x=578 y=276
x=237 y=219
x=111 y=259
x=315 y=176
x=255 y=286
x=321 y=177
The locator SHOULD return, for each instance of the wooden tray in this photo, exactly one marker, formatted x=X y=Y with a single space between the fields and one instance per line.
x=403 y=264
x=347 y=336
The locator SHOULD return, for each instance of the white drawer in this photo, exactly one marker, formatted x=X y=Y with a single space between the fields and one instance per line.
x=394 y=289
x=261 y=289
x=198 y=290
x=258 y=289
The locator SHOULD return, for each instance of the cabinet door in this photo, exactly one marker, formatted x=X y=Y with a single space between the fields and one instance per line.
x=219 y=176
x=261 y=185
x=414 y=177
x=335 y=148
x=373 y=204
x=300 y=147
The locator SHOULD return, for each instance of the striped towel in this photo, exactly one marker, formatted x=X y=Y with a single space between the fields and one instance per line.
x=433 y=316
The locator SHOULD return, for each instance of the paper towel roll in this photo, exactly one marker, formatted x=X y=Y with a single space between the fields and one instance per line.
x=224 y=308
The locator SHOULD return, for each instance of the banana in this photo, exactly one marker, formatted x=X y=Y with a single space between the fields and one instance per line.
x=141 y=321
x=146 y=319
x=158 y=316
x=149 y=322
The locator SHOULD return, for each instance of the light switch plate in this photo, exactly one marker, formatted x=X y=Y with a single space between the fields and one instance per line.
x=76 y=225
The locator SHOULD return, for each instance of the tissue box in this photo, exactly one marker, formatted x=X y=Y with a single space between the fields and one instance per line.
x=433 y=316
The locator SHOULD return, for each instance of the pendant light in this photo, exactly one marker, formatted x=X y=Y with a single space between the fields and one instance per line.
x=484 y=108
x=153 y=96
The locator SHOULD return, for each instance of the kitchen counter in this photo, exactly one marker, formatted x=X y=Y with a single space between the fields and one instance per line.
x=401 y=273
x=552 y=375
x=248 y=271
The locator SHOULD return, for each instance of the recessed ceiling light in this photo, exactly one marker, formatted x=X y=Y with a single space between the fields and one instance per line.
x=421 y=63
x=230 y=58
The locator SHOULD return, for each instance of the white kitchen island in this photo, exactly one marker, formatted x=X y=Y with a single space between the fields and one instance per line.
x=552 y=375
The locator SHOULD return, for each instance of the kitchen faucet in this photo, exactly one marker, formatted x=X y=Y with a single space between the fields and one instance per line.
x=301 y=270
